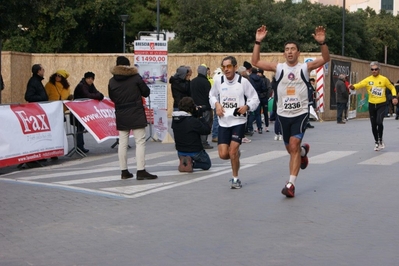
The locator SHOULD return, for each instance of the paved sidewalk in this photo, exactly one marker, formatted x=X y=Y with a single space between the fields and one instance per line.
x=77 y=211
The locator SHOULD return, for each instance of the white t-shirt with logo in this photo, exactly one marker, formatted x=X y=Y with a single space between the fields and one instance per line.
x=231 y=94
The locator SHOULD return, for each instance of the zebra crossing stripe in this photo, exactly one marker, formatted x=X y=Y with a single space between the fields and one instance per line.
x=385 y=158
x=128 y=190
x=263 y=157
x=70 y=173
x=329 y=156
x=116 y=177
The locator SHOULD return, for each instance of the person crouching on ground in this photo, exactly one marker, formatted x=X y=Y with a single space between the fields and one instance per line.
x=187 y=129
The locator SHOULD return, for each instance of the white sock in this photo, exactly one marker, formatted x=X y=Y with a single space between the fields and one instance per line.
x=303 y=151
x=291 y=181
x=235 y=179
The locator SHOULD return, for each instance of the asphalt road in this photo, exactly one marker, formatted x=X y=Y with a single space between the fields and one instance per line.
x=77 y=211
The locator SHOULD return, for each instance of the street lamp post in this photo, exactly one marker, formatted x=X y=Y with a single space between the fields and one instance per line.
x=158 y=20
x=343 y=28
x=124 y=19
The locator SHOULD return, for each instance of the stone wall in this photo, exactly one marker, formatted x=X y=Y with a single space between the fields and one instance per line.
x=16 y=70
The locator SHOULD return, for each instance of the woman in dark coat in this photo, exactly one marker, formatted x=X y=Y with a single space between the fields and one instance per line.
x=126 y=89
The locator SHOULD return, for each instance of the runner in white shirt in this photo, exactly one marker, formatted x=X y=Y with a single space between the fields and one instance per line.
x=227 y=96
x=292 y=97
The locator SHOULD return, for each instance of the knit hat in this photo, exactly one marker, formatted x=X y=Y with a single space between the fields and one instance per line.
x=63 y=73
x=202 y=70
x=247 y=65
x=122 y=61
x=89 y=75
x=181 y=72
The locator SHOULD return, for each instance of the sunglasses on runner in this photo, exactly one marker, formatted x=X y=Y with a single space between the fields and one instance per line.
x=374 y=69
x=229 y=67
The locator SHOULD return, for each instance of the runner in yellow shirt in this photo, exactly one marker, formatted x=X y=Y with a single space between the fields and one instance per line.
x=376 y=86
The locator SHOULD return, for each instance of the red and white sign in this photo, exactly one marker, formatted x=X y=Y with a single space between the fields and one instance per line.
x=151 y=57
x=30 y=132
x=151 y=52
x=98 y=117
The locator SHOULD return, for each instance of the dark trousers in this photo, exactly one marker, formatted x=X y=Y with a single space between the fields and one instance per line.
x=208 y=116
x=377 y=114
x=79 y=135
x=340 y=109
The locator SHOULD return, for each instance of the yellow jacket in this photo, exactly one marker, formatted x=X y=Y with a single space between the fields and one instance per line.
x=57 y=92
x=376 y=88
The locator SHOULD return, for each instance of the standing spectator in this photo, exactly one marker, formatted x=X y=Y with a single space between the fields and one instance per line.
x=1 y=83
x=58 y=88
x=312 y=98
x=248 y=68
x=345 y=114
x=277 y=126
x=341 y=96
x=199 y=88
x=180 y=85
x=241 y=70
x=35 y=91
x=85 y=89
x=215 y=125
x=188 y=130
x=260 y=87
x=232 y=96
x=264 y=99
x=292 y=97
x=397 y=109
x=376 y=86
x=126 y=89
x=389 y=108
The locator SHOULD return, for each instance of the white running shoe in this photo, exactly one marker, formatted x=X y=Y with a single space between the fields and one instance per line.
x=276 y=137
x=246 y=140
x=381 y=145
x=280 y=137
x=377 y=147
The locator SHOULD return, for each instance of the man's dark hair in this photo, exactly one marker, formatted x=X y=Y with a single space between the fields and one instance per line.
x=231 y=58
x=36 y=68
x=293 y=42
x=187 y=104
x=311 y=79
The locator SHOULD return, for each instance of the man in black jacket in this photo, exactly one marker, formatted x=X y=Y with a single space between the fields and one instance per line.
x=199 y=88
x=35 y=91
x=85 y=89
x=187 y=130
x=126 y=89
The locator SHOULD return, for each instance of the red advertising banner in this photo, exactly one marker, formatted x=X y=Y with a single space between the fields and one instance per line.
x=98 y=117
x=30 y=132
